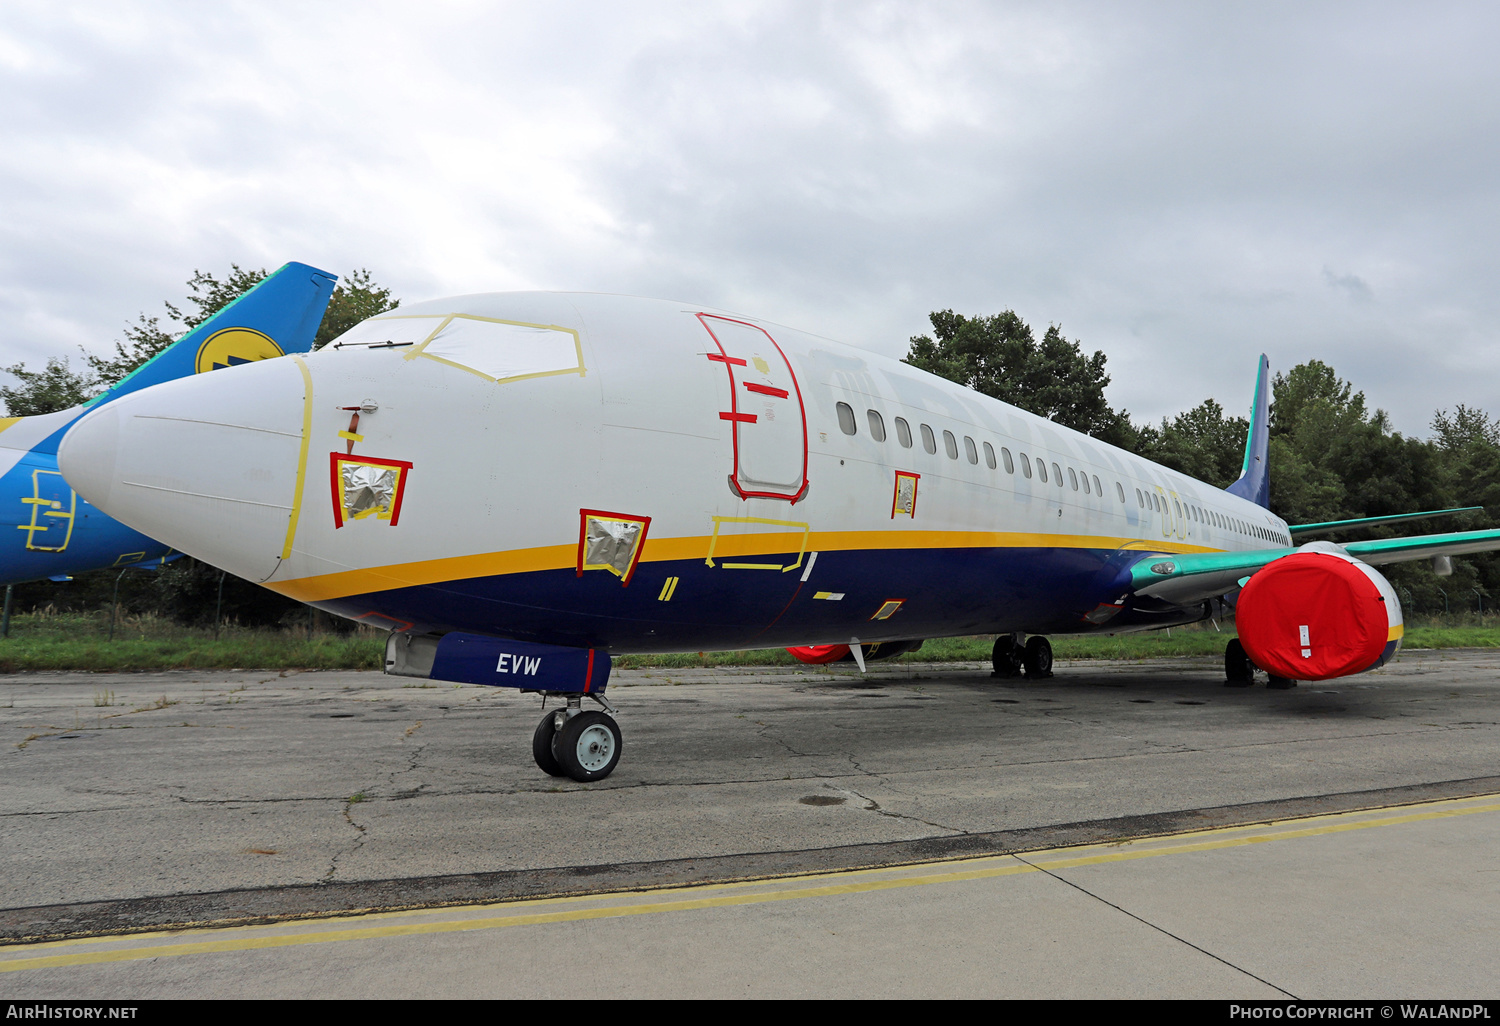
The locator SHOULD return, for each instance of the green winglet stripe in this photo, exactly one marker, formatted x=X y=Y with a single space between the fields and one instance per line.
x=1396 y=550
x=1334 y=525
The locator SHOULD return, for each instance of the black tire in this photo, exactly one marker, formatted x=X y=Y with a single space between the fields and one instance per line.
x=1038 y=658
x=1239 y=672
x=541 y=746
x=1005 y=657
x=588 y=746
x=1280 y=683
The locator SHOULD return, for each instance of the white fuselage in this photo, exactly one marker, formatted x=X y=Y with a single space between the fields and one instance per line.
x=496 y=423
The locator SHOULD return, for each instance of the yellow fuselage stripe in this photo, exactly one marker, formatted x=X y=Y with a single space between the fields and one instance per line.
x=711 y=896
x=657 y=550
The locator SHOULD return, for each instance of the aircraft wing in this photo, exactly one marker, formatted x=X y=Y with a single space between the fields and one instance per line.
x=1196 y=576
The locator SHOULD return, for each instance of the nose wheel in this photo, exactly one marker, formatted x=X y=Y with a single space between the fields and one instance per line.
x=571 y=743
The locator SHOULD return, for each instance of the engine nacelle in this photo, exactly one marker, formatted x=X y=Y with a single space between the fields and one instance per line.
x=1318 y=614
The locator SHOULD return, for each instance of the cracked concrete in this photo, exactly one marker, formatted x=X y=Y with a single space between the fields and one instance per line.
x=191 y=782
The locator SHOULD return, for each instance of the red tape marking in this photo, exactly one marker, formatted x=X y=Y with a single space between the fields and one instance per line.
x=735 y=360
x=741 y=418
x=779 y=393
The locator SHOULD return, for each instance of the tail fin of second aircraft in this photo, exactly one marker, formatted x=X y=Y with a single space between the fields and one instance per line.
x=279 y=315
x=1255 y=482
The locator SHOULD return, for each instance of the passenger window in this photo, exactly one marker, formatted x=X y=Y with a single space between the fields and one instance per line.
x=903 y=432
x=846 y=418
x=972 y=452
x=989 y=455
x=1099 y=488
x=1073 y=477
x=1057 y=473
x=1025 y=465
x=1010 y=467
x=1178 y=507
x=951 y=444
x=877 y=426
x=1139 y=499
x=1121 y=489
x=1041 y=471
x=929 y=442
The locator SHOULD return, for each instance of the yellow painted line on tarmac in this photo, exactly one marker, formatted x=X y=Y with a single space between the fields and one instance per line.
x=707 y=896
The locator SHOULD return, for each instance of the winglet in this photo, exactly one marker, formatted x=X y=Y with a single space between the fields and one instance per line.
x=279 y=315
x=1255 y=482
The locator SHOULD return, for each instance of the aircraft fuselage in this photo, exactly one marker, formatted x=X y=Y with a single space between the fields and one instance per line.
x=639 y=475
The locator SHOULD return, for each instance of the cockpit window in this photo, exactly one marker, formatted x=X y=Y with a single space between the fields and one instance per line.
x=493 y=349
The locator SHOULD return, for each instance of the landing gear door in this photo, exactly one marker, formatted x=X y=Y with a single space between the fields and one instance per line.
x=765 y=414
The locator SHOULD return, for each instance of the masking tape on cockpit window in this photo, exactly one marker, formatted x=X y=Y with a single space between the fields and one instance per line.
x=307 y=407
x=420 y=350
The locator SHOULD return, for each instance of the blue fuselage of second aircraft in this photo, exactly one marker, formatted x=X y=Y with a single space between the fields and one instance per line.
x=46 y=528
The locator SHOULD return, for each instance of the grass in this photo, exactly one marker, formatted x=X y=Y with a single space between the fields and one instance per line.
x=51 y=640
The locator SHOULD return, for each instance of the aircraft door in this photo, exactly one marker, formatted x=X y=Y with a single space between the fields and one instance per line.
x=766 y=416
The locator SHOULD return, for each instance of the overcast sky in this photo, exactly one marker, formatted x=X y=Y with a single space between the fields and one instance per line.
x=1180 y=185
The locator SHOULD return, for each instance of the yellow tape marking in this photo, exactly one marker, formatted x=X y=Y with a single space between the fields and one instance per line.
x=657 y=550
x=720 y=521
x=307 y=407
x=854 y=882
x=420 y=350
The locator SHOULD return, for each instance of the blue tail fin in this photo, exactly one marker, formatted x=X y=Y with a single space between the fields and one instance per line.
x=1255 y=482
x=278 y=316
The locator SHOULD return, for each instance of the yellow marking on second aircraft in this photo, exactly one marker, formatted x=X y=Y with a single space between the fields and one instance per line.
x=751 y=892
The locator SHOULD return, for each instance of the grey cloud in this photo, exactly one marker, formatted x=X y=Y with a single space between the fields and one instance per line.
x=1181 y=185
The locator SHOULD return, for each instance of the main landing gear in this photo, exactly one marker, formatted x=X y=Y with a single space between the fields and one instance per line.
x=572 y=743
x=1239 y=671
x=1010 y=657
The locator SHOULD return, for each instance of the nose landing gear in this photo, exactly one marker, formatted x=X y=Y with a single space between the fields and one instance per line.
x=572 y=743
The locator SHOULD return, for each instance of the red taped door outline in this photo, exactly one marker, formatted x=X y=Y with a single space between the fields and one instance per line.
x=766 y=414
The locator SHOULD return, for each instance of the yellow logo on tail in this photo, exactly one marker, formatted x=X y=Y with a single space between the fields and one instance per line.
x=234 y=346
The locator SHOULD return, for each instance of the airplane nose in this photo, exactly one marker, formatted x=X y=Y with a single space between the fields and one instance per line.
x=211 y=464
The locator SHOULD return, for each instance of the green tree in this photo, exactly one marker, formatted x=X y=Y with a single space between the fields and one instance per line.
x=1201 y=443
x=355 y=298
x=57 y=387
x=1333 y=459
x=999 y=356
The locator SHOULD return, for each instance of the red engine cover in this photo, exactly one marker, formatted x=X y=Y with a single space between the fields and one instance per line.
x=819 y=653
x=1312 y=616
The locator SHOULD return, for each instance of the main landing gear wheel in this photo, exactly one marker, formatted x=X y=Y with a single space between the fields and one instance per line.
x=1239 y=672
x=587 y=747
x=1006 y=657
x=1038 y=658
x=1280 y=683
x=541 y=746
